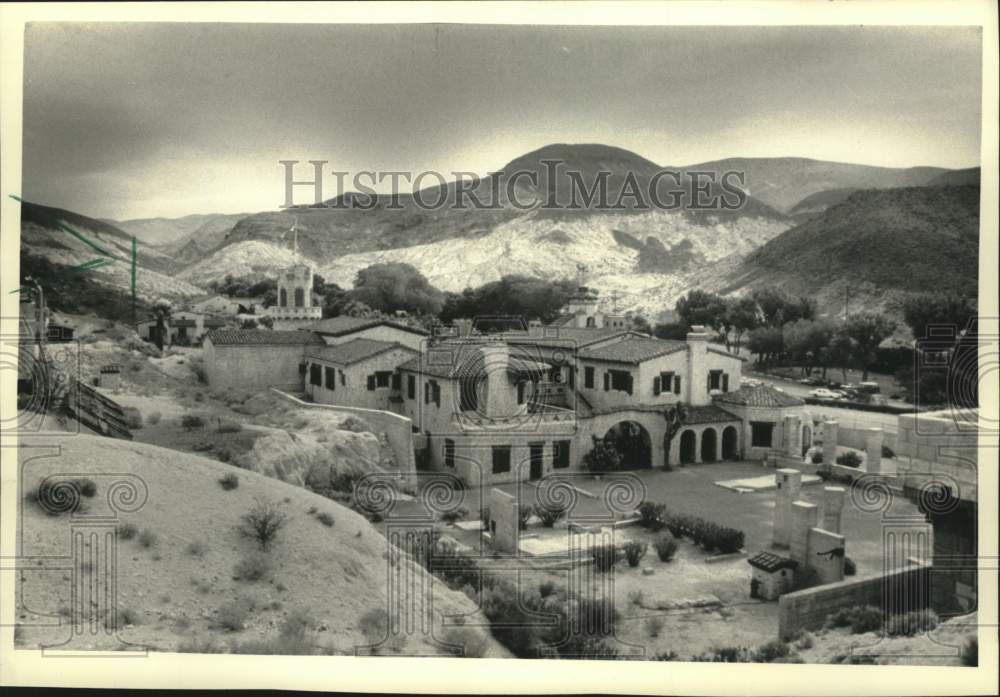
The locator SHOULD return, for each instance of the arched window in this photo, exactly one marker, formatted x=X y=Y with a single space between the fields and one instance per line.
x=283 y=298
x=300 y=297
x=591 y=322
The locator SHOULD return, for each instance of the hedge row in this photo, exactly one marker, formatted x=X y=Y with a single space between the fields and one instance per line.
x=709 y=535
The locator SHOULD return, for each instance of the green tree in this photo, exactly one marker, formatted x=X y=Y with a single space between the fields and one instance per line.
x=603 y=456
x=806 y=341
x=867 y=331
x=740 y=317
x=768 y=343
x=672 y=331
x=394 y=286
x=924 y=309
x=702 y=307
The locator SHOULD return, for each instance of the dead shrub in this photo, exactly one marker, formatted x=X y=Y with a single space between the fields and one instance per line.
x=252 y=567
x=263 y=522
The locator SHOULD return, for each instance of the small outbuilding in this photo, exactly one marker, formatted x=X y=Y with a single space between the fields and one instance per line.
x=773 y=574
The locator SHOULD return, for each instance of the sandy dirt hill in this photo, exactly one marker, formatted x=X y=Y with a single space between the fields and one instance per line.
x=176 y=585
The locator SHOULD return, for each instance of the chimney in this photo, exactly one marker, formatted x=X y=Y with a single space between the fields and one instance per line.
x=501 y=396
x=697 y=377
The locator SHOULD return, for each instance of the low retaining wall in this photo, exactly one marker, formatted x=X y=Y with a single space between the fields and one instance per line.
x=893 y=593
x=398 y=431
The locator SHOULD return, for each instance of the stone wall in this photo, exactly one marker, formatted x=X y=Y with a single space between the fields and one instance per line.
x=898 y=591
x=397 y=429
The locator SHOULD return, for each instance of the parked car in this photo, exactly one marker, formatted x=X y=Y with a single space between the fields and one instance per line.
x=869 y=387
x=823 y=393
x=749 y=382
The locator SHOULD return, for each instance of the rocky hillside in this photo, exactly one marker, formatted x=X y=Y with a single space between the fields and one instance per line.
x=187 y=577
x=874 y=245
x=782 y=182
x=71 y=239
x=174 y=233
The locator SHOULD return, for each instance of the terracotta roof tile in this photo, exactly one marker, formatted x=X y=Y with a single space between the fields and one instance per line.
x=338 y=326
x=759 y=396
x=354 y=351
x=262 y=337
x=632 y=350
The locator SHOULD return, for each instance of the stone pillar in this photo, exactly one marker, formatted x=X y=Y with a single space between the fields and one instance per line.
x=789 y=483
x=833 y=506
x=504 y=521
x=501 y=396
x=793 y=437
x=830 y=442
x=873 y=451
x=697 y=377
x=804 y=516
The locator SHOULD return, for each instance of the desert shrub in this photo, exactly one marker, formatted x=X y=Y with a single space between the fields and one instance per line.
x=913 y=622
x=200 y=646
x=468 y=643
x=726 y=654
x=224 y=455
x=190 y=422
x=635 y=597
x=850 y=568
x=849 y=459
x=148 y=538
x=232 y=616
x=654 y=625
x=666 y=547
x=772 y=651
x=374 y=625
x=604 y=556
x=970 y=652
x=252 y=567
x=546 y=588
x=651 y=515
x=887 y=451
x=551 y=516
x=817 y=458
x=133 y=418
x=126 y=616
x=154 y=418
x=202 y=446
x=263 y=522
x=196 y=548
x=729 y=540
x=866 y=619
x=126 y=531
x=453 y=516
x=325 y=518
x=228 y=426
x=634 y=552
x=229 y=481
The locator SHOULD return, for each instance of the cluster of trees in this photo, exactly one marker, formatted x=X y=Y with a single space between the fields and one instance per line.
x=513 y=295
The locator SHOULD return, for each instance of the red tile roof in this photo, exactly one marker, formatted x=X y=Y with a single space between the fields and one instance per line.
x=262 y=337
x=632 y=350
x=338 y=326
x=759 y=396
x=354 y=351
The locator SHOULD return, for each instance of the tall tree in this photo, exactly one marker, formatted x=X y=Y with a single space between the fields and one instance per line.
x=840 y=352
x=806 y=341
x=924 y=309
x=393 y=286
x=867 y=331
x=740 y=317
x=701 y=307
x=768 y=343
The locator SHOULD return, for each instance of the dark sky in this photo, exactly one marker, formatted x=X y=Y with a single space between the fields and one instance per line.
x=141 y=120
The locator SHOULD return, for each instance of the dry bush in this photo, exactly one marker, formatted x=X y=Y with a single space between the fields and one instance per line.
x=252 y=567
x=263 y=522
x=468 y=643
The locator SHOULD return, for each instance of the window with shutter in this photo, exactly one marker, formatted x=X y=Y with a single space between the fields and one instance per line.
x=436 y=392
x=656 y=385
x=331 y=378
x=588 y=377
x=411 y=386
x=397 y=381
x=427 y=392
x=520 y=393
x=315 y=374
x=343 y=378
x=382 y=378
x=371 y=383
x=607 y=382
x=501 y=459
x=725 y=382
x=677 y=384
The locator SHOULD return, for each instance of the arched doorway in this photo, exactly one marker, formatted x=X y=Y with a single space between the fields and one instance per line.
x=689 y=443
x=632 y=442
x=709 y=446
x=300 y=297
x=807 y=439
x=283 y=298
x=730 y=444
